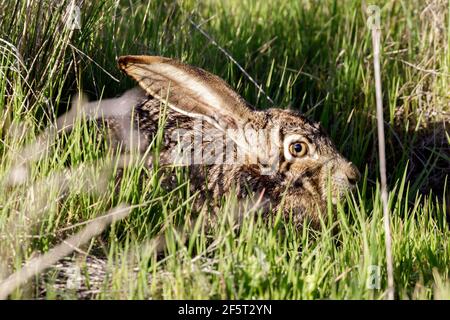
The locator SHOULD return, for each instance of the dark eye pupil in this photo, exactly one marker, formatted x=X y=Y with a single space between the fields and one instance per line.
x=298 y=147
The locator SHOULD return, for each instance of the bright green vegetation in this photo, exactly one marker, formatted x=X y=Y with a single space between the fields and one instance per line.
x=314 y=56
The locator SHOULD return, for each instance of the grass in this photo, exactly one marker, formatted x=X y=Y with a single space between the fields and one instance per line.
x=310 y=57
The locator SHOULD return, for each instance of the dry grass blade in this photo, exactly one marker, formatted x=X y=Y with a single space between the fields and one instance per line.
x=229 y=56
x=382 y=158
x=42 y=262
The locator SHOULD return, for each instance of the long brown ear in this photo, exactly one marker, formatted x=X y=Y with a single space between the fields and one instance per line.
x=188 y=90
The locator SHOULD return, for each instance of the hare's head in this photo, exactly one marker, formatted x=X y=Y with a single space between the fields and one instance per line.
x=299 y=153
x=309 y=159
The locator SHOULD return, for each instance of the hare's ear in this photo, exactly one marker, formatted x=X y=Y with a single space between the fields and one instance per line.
x=188 y=90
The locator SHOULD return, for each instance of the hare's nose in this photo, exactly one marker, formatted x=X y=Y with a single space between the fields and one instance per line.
x=352 y=174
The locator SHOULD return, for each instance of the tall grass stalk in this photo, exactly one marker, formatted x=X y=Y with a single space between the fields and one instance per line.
x=376 y=35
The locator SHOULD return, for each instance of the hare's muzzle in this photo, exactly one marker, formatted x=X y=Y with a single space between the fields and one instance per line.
x=345 y=177
x=352 y=174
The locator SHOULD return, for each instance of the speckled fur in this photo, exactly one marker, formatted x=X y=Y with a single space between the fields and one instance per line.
x=303 y=185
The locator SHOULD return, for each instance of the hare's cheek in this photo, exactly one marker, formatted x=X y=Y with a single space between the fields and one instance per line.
x=332 y=184
x=305 y=167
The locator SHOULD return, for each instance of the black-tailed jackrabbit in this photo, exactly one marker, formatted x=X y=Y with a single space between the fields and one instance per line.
x=277 y=154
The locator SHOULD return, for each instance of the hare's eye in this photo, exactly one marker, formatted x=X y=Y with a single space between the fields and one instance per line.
x=298 y=149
